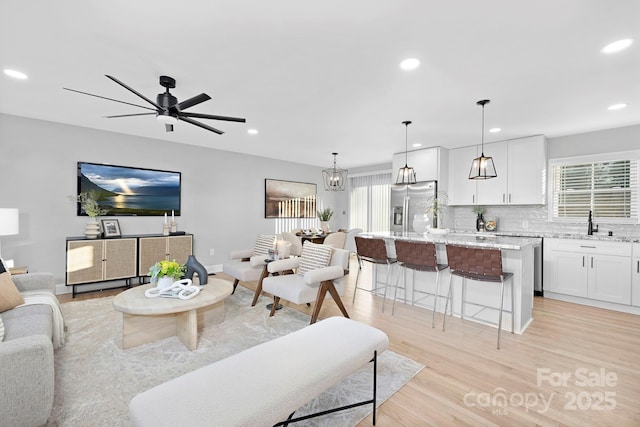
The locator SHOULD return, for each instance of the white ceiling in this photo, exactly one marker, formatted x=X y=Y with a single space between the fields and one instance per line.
x=315 y=77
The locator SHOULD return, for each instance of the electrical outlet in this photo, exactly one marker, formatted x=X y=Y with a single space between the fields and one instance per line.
x=525 y=224
x=212 y=252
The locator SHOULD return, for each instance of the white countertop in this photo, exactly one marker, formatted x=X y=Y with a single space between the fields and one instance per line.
x=486 y=240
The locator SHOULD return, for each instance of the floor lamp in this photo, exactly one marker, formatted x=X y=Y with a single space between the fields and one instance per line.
x=9 y=223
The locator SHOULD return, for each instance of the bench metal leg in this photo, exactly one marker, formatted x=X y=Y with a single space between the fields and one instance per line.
x=290 y=420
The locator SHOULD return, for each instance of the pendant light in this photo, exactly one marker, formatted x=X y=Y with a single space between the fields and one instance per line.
x=406 y=175
x=334 y=178
x=482 y=167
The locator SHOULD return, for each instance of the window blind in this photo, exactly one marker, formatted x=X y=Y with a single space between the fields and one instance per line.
x=370 y=202
x=607 y=188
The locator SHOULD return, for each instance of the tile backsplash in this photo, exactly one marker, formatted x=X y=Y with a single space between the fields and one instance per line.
x=529 y=219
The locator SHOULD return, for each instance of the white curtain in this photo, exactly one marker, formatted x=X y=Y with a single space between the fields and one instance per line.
x=369 y=202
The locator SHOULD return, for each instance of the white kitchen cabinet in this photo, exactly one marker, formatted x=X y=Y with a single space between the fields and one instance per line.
x=429 y=164
x=521 y=168
x=462 y=190
x=635 y=276
x=494 y=191
x=592 y=269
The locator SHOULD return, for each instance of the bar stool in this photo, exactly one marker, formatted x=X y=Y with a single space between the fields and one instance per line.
x=481 y=264
x=375 y=251
x=418 y=256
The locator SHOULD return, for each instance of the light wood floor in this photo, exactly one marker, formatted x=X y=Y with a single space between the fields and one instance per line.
x=468 y=382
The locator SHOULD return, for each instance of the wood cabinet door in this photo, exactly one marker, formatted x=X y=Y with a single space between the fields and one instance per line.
x=120 y=258
x=84 y=261
x=610 y=278
x=179 y=248
x=152 y=250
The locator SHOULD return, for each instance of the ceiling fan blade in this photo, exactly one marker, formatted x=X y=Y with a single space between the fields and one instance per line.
x=130 y=115
x=202 y=125
x=134 y=91
x=193 y=101
x=108 y=99
x=168 y=127
x=213 y=117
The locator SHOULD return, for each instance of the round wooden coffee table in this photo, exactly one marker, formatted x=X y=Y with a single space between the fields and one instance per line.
x=146 y=320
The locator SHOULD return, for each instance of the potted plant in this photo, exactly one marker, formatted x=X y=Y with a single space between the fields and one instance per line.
x=437 y=207
x=479 y=210
x=89 y=204
x=324 y=216
x=165 y=273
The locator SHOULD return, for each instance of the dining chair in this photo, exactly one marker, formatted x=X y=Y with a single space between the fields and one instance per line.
x=417 y=256
x=483 y=265
x=335 y=239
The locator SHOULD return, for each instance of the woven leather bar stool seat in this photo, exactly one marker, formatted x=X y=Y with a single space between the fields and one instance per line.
x=480 y=264
x=374 y=251
x=418 y=256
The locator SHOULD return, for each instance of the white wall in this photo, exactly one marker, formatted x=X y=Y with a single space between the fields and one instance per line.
x=222 y=192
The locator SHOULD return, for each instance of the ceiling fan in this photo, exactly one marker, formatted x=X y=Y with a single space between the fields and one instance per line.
x=167 y=108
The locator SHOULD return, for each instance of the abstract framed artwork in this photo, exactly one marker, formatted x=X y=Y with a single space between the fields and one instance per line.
x=289 y=199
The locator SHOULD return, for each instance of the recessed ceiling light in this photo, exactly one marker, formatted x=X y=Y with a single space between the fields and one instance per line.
x=617 y=46
x=252 y=131
x=617 y=106
x=495 y=130
x=15 y=74
x=416 y=145
x=410 y=64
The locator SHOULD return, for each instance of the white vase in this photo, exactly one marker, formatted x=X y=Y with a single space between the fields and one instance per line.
x=165 y=282
x=92 y=229
x=421 y=223
x=324 y=226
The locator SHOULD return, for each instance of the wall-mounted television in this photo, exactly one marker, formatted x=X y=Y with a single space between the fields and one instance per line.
x=289 y=199
x=130 y=191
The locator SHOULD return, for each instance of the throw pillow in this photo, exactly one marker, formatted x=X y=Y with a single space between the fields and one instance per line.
x=314 y=256
x=264 y=242
x=1 y=330
x=9 y=295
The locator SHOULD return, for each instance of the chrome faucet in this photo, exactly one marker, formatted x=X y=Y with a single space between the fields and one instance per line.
x=590 y=229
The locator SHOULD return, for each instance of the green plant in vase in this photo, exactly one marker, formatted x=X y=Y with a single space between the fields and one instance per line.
x=166 y=269
x=89 y=204
x=479 y=211
x=324 y=216
x=437 y=205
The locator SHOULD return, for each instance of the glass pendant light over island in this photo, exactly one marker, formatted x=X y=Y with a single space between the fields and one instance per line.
x=482 y=167
x=406 y=174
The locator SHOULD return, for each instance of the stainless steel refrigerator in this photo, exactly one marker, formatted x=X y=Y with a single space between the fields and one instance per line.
x=408 y=200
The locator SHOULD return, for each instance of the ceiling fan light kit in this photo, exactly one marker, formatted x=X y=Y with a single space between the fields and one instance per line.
x=406 y=174
x=167 y=109
x=482 y=167
x=334 y=178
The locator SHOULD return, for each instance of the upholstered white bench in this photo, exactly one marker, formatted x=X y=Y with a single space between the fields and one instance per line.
x=265 y=384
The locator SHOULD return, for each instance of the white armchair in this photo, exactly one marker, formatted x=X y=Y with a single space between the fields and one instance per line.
x=248 y=265
x=313 y=280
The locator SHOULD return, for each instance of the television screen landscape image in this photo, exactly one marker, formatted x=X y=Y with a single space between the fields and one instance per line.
x=129 y=191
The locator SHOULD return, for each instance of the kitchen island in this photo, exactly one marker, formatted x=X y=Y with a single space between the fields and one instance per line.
x=517 y=258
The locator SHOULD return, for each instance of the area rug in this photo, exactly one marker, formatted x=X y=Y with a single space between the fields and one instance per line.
x=96 y=378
